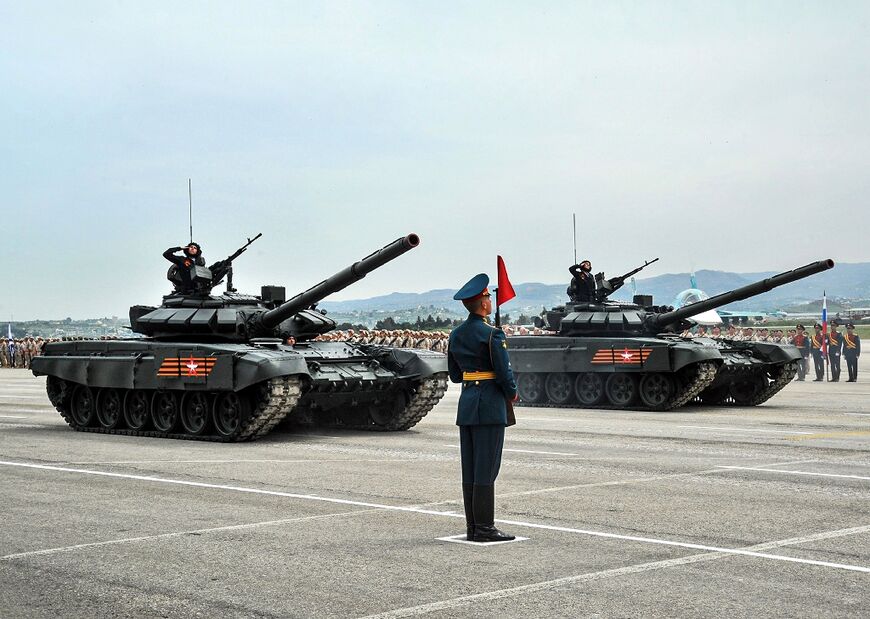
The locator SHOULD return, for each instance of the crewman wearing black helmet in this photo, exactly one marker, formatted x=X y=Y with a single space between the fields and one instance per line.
x=180 y=273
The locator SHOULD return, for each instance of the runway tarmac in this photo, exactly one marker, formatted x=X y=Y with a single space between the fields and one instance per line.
x=705 y=511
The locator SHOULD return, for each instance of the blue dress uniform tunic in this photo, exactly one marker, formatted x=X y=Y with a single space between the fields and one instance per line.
x=851 y=351
x=477 y=357
x=835 y=348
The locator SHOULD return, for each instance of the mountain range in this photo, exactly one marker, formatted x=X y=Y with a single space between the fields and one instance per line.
x=844 y=281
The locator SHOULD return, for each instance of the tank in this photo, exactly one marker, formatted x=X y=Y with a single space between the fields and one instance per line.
x=607 y=354
x=230 y=367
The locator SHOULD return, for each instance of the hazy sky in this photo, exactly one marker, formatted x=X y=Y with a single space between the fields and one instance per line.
x=728 y=136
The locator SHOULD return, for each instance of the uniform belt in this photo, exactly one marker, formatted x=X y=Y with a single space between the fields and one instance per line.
x=478 y=376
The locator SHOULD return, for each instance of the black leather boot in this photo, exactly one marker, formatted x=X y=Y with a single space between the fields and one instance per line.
x=484 y=516
x=468 y=500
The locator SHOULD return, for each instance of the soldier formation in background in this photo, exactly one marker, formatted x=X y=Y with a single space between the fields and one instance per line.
x=820 y=348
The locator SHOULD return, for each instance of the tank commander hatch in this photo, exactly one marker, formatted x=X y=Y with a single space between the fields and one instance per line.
x=582 y=287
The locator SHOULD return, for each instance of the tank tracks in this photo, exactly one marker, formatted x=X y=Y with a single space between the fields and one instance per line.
x=696 y=378
x=786 y=373
x=276 y=400
x=426 y=395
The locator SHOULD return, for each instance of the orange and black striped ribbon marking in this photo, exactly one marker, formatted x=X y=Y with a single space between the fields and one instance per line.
x=623 y=356
x=175 y=367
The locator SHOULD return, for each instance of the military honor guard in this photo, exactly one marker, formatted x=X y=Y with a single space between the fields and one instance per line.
x=835 y=349
x=802 y=342
x=477 y=357
x=817 y=348
x=851 y=351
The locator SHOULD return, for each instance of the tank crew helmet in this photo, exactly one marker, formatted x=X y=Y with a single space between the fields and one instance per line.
x=586 y=265
x=192 y=249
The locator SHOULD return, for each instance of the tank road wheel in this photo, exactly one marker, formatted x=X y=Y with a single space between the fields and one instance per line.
x=656 y=389
x=559 y=388
x=530 y=387
x=621 y=389
x=745 y=388
x=230 y=411
x=83 y=407
x=385 y=414
x=195 y=409
x=589 y=388
x=109 y=408
x=136 y=409
x=164 y=411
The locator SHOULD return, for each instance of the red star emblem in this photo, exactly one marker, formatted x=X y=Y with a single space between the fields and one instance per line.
x=191 y=368
x=626 y=356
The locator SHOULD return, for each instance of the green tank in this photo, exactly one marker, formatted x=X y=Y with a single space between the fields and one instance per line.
x=230 y=367
x=607 y=354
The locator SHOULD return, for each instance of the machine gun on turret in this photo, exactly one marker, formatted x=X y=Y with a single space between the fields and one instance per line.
x=224 y=268
x=606 y=287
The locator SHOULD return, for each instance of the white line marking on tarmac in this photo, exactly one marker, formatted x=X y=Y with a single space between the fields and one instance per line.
x=548 y=585
x=529 y=451
x=143 y=538
x=430 y=512
x=233 y=461
x=461 y=539
x=809 y=473
x=22 y=397
x=12 y=417
x=729 y=429
x=858 y=414
x=635 y=480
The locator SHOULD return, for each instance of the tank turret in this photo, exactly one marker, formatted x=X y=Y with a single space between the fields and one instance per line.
x=614 y=318
x=238 y=317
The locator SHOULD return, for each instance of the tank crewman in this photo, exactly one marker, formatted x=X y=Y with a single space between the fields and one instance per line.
x=802 y=342
x=477 y=357
x=835 y=349
x=192 y=256
x=582 y=287
x=851 y=351
x=817 y=343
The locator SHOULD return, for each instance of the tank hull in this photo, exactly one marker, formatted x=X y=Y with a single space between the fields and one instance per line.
x=236 y=392
x=648 y=373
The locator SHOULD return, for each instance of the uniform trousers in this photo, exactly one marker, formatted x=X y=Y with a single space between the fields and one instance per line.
x=802 y=368
x=835 y=364
x=819 y=363
x=480 y=448
x=852 y=366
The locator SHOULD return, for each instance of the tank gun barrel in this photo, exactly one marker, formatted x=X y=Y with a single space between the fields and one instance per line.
x=751 y=290
x=340 y=280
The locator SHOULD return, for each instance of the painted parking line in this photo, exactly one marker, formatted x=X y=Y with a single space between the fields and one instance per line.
x=549 y=585
x=528 y=451
x=448 y=514
x=730 y=429
x=808 y=473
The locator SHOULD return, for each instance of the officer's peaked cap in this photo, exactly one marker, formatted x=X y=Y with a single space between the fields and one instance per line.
x=473 y=288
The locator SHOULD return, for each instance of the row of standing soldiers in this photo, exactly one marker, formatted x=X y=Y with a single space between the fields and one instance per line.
x=17 y=352
x=398 y=338
x=830 y=348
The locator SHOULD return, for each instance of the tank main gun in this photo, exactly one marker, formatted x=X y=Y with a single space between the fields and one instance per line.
x=656 y=322
x=305 y=300
x=606 y=287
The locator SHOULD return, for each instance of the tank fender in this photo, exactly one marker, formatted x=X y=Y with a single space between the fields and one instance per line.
x=772 y=353
x=409 y=363
x=694 y=351
x=251 y=368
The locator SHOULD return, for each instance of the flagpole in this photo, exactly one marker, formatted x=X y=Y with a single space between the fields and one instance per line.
x=497 y=314
x=825 y=333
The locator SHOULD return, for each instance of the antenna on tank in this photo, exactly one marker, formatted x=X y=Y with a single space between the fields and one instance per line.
x=574 y=215
x=190 y=208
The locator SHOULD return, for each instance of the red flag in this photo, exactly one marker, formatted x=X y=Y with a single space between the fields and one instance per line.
x=505 y=291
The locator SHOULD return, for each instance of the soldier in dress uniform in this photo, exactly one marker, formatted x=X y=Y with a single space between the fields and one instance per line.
x=835 y=349
x=851 y=351
x=817 y=343
x=477 y=357
x=802 y=342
